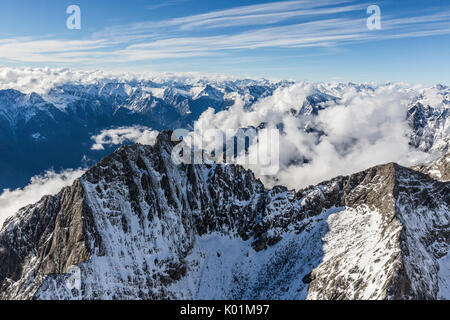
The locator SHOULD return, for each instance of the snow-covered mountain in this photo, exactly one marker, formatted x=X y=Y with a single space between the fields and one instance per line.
x=117 y=99
x=428 y=117
x=139 y=226
x=55 y=128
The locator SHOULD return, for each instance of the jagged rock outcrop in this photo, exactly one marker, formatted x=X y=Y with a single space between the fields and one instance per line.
x=140 y=226
x=439 y=169
x=430 y=127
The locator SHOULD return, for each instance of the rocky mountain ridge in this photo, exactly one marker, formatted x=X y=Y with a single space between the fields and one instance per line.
x=140 y=227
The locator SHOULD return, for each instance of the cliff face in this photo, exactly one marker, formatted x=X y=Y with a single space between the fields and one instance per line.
x=42 y=239
x=140 y=227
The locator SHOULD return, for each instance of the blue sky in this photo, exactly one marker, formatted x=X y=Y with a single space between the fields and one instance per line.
x=314 y=40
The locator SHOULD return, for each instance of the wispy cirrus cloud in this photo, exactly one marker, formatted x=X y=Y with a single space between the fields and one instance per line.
x=285 y=24
x=261 y=14
x=244 y=16
x=52 y=50
x=163 y=4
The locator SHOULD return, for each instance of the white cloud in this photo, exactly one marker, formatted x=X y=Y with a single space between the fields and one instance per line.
x=40 y=80
x=136 y=134
x=49 y=183
x=364 y=128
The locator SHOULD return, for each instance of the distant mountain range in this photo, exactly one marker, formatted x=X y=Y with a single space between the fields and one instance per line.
x=39 y=132
x=54 y=130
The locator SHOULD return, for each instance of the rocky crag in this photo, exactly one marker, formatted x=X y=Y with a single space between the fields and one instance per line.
x=138 y=226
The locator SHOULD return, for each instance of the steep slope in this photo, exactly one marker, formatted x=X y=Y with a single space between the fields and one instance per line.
x=140 y=227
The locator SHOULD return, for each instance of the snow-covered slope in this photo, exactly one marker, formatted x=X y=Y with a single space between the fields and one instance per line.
x=140 y=227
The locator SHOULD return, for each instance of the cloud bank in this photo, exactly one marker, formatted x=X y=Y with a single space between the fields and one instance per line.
x=49 y=183
x=41 y=80
x=364 y=127
x=118 y=136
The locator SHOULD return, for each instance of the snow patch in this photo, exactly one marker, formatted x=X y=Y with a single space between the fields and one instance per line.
x=444 y=277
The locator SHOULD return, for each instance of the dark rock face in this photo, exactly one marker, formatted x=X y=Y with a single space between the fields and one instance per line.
x=141 y=227
x=53 y=232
